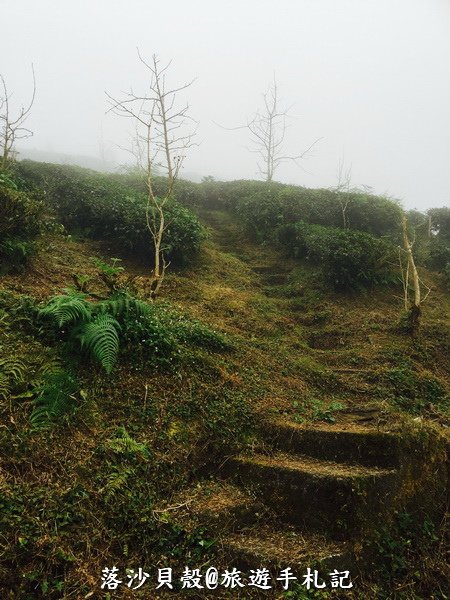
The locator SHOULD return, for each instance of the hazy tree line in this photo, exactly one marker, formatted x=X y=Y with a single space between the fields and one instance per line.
x=358 y=236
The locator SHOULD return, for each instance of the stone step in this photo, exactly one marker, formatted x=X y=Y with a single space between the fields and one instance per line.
x=354 y=444
x=316 y=495
x=266 y=547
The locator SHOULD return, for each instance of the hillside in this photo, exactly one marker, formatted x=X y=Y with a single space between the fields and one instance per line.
x=258 y=372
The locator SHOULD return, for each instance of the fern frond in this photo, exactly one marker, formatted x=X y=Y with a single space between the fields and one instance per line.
x=126 y=445
x=4 y=318
x=56 y=397
x=122 y=304
x=54 y=365
x=5 y=387
x=13 y=369
x=116 y=481
x=67 y=309
x=100 y=337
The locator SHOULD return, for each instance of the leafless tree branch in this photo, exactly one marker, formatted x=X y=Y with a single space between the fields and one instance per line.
x=12 y=126
x=161 y=142
x=267 y=130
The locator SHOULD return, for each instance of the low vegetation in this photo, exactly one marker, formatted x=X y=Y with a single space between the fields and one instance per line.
x=22 y=220
x=102 y=207
x=113 y=406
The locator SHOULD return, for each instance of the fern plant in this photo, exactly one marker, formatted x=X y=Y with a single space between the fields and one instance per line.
x=12 y=372
x=101 y=338
x=13 y=368
x=5 y=386
x=116 y=482
x=123 y=445
x=56 y=397
x=92 y=325
x=69 y=308
x=123 y=305
x=124 y=452
x=98 y=327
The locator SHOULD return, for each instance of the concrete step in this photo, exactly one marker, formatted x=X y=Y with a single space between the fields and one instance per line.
x=317 y=495
x=333 y=442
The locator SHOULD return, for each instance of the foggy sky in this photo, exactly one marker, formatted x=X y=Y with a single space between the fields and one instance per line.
x=369 y=76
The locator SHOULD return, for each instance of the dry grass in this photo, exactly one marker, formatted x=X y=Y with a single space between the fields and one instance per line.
x=289 y=347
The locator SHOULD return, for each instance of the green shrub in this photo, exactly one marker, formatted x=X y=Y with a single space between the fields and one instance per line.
x=192 y=332
x=355 y=259
x=261 y=213
x=348 y=258
x=21 y=215
x=377 y=215
x=440 y=221
x=7 y=181
x=439 y=254
x=160 y=334
x=155 y=332
x=183 y=235
x=265 y=209
x=14 y=254
x=151 y=338
x=102 y=206
x=365 y=212
x=186 y=192
x=309 y=205
x=228 y=194
x=21 y=221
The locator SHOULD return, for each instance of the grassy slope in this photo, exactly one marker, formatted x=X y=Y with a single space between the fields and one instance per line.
x=77 y=504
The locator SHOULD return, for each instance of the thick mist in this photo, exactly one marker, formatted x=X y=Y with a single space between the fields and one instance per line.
x=370 y=77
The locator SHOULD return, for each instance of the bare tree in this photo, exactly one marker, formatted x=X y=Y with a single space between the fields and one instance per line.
x=344 y=190
x=160 y=144
x=12 y=122
x=267 y=130
x=410 y=277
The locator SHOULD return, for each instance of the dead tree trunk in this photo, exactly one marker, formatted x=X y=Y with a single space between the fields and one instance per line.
x=413 y=307
x=12 y=124
x=161 y=144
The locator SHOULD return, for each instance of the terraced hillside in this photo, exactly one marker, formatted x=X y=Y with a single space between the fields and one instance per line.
x=273 y=423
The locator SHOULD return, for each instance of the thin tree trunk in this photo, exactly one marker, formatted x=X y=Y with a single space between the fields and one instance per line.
x=415 y=308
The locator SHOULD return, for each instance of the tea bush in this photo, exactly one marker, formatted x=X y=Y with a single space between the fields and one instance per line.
x=439 y=254
x=439 y=249
x=348 y=258
x=261 y=213
x=21 y=214
x=103 y=206
x=373 y=214
x=20 y=223
x=263 y=206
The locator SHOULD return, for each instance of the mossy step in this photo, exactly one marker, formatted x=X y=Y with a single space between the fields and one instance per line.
x=276 y=550
x=226 y=507
x=272 y=269
x=275 y=278
x=317 y=495
x=353 y=444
